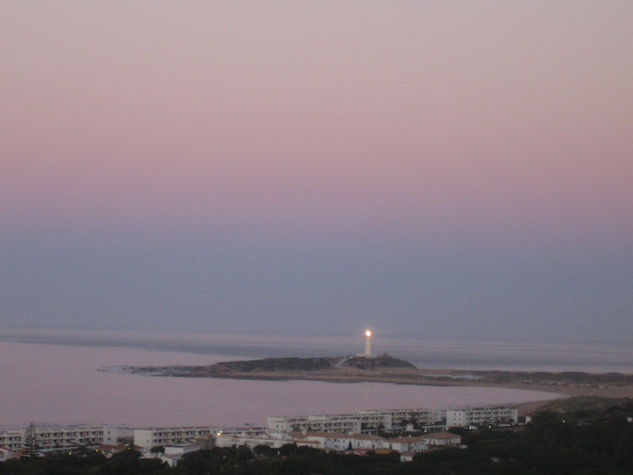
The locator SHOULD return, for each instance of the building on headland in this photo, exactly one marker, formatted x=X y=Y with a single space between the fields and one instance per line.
x=162 y=436
x=481 y=416
x=360 y=422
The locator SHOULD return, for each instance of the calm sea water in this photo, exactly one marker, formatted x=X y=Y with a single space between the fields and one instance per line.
x=56 y=377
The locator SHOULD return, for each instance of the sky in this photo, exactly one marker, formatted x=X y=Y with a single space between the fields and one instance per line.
x=447 y=169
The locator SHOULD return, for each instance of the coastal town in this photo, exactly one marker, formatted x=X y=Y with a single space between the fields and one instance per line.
x=316 y=237
x=403 y=431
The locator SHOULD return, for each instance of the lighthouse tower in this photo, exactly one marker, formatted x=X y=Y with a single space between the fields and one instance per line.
x=368 y=335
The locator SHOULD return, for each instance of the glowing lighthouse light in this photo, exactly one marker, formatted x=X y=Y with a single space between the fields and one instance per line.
x=368 y=343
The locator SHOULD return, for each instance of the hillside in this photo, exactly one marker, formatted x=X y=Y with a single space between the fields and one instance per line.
x=282 y=367
x=269 y=365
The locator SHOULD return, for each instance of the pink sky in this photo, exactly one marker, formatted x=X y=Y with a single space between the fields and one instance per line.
x=330 y=113
x=467 y=165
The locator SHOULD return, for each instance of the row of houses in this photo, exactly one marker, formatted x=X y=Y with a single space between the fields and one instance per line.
x=333 y=432
x=349 y=430
x=362 y=422
x=252 y=438
x=338 y=442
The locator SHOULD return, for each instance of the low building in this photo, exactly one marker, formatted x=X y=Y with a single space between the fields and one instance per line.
x=422 y=443
x=442 y=439
x=337 y=441
x=481 y=416
x=108 y=450
x=5 y=454
x=251 y=438
x=407 y=444
x=163 y=436
x=171 y=454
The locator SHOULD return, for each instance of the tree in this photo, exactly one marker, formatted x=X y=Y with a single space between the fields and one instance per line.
x=264 y=451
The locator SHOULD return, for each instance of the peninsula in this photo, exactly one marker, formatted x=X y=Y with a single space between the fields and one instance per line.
x=387 y=369
x=320 y=368
x=370 y=367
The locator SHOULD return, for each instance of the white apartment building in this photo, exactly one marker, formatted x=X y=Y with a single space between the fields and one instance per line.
x=51 y=438
x=480 y=416
x=162 y=436
x=345 y=423
x=422 y=417
x=12 y=439
x=362 y=421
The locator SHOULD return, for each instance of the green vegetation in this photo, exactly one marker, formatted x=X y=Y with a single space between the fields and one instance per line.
x=123 y=463
x=564 y=377
x=275 y=364
x=589 y=405
x=378 y=362
x=386 y=368
x=272 y=365
x=306 y=364
x=594 y=437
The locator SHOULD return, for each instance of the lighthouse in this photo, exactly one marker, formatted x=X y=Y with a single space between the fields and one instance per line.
x=368 y=335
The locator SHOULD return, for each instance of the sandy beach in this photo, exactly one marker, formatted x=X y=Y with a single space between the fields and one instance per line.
x=567 y=384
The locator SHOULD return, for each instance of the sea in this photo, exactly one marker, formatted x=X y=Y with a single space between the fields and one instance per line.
x=74 y=377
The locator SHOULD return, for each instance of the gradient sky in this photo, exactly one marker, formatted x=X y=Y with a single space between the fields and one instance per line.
x=437 y=168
